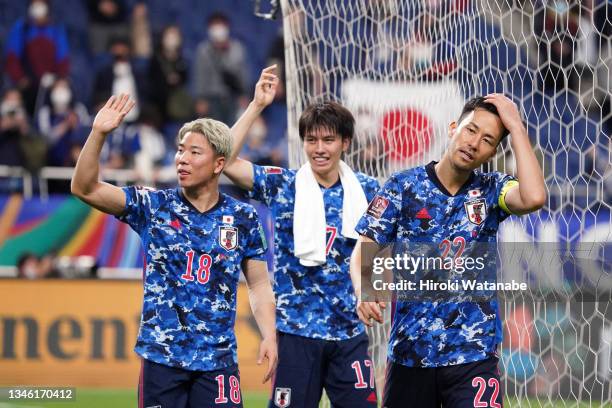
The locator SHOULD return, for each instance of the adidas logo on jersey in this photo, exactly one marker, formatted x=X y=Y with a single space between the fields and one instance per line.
x=424 y=216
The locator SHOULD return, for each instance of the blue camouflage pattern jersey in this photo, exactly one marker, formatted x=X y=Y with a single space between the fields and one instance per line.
x=414 y=206
x=311 y=301
x=193 y=263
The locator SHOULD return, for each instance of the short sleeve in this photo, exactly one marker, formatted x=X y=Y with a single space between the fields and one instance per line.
x=139 y=203
x=371 y=188
x=266 y=182
x=256 y=245
x=380 y=219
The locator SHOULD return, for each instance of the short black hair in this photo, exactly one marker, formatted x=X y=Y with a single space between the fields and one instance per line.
x=327 y=115
x=479 y=103
x=217 y=17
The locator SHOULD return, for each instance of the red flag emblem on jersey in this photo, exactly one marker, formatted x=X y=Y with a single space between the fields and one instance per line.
x=377 y=207
x=474 y=193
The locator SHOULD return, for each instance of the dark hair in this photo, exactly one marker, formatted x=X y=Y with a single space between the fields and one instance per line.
x=217 y=17
x=327 y=115
x=479 y=103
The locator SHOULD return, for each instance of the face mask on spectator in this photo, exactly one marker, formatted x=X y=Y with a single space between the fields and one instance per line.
x=561 y=7
x=38 y=10
x=422 y=54
x=30 y=272
x=60 y=97
x=172 y=41
x=121 y=68
x=218 y=33
x=11 y=109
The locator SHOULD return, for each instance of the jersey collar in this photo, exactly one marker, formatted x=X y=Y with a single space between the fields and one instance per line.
x=431 y=173
x=193 y=208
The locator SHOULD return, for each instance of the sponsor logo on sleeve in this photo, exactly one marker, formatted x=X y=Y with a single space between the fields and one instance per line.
x=377 y=207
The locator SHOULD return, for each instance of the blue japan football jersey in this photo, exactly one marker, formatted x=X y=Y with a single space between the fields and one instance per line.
x=319 y=301
x=193 y=263
x=413 y=206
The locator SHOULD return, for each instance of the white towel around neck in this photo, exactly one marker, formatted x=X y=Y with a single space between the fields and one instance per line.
x=309 y=224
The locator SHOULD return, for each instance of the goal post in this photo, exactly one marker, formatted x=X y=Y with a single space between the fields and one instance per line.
x=405 y=67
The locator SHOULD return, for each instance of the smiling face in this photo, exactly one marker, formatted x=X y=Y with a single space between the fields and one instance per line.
x=323 y=148
x=474 y=140
x=196 y=161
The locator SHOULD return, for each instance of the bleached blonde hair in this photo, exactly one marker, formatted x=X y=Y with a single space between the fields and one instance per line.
x=217 y=133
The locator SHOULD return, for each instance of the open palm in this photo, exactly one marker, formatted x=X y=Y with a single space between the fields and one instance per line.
x=112 y=113
x=265 y=89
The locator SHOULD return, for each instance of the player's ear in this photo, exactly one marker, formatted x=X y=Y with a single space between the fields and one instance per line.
x=452 y=127
x=346 y=142
x=219 y=164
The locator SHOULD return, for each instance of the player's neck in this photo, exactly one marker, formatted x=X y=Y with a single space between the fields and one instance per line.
x=451 y=177
x=203 y=197
x=327 y=179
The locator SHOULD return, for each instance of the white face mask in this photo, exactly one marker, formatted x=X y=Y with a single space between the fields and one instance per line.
x=561 y=7
x=122 y=68
x=218 y=33
x=30 y=272
x=38 y=10
x=60 y=97
x=422 y=54
x=12 y=109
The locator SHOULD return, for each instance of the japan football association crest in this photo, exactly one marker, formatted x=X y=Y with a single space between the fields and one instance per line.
x=476 y=210
x=228 y=237
x=282 y=397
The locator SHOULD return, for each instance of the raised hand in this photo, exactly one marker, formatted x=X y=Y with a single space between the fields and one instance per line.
x=508 y=112
x=112 y=113
x=265 y=89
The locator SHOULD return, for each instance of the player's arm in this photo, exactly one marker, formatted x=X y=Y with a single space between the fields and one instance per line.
x=238 y=170
x=263 y=307
x=362 y=280
x=86 y=184
x=530 y=193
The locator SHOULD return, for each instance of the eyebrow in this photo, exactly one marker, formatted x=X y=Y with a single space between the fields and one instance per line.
x=478 y=128
x=321 y=136
x=191 y=147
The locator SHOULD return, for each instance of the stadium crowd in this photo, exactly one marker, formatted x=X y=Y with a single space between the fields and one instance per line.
x=58 y=69
x=194 y=59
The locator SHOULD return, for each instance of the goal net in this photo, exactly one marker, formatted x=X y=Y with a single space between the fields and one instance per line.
x=405 y=68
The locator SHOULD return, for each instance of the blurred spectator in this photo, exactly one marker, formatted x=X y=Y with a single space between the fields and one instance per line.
x=63 y=122
x=120 y=77
x=220 y=73
x=30 y=266
x=556 y=25
x=35 y=46
x=141 y=31
x=108 y=19
x=168 y=73
x=20 y=145
x=150 y=146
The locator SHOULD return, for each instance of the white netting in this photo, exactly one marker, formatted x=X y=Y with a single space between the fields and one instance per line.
x=405 y=68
